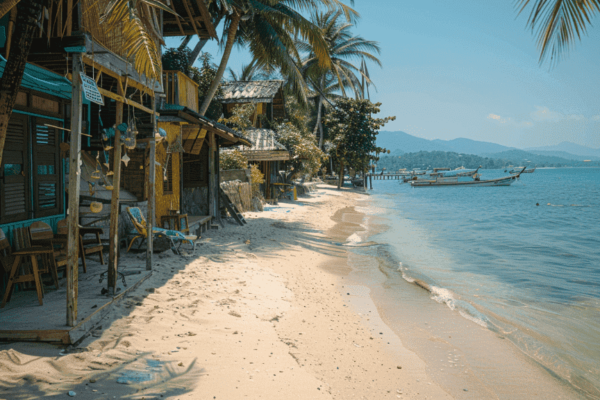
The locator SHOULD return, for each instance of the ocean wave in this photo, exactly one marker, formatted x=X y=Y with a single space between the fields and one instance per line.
x=443 y=296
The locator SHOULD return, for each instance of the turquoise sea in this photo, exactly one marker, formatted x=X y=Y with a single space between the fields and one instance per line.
x=529 y=272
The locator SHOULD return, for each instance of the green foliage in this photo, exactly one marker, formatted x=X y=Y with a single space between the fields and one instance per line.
x=240 y=118
x=175 y=59
x=232 y=159
x=204 y=76
x=437 y=159
x=306 y=157
x=353 y=132
x=257 y=178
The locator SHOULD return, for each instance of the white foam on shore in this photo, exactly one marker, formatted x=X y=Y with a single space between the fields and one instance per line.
x=442 y=295
x=471 y=318
x=353 y=239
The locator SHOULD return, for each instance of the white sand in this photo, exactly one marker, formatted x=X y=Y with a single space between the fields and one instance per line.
x=251 y=316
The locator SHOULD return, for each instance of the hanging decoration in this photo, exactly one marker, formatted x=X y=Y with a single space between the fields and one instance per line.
x=95 y=207
x=125 y=158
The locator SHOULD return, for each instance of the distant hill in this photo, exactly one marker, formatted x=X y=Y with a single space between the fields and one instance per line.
x=569 y=147
x=401 y=142
x=563 y=154
x=526 y=158
x=469 y=146
x=407 y=143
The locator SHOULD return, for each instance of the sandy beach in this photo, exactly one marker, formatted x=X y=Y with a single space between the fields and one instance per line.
x=260 y=311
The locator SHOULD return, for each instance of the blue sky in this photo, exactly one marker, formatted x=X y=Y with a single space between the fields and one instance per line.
x=470 y=69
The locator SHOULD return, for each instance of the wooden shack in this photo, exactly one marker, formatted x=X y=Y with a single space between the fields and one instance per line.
x=266 y=152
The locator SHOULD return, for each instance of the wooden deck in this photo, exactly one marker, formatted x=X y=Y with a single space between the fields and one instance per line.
x=199 y=224
x=23 y=319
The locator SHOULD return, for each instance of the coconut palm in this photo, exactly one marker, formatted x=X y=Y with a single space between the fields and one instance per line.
x=343 y=47
x=250 y=72
x=268 y=29
x=557 y=23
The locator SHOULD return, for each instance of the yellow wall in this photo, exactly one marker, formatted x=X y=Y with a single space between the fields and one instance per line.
x=166 y=202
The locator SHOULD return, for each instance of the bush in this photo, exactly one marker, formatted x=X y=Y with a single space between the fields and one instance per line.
x=257 y=178
x=232 y=159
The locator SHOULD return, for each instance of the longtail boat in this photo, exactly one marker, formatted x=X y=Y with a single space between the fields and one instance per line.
x=527 y=171
x=504 y=181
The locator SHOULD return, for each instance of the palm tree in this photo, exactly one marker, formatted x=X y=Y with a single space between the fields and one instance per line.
x=250 y=72
x=557 y=23
x=268 y=28
x=342 y=47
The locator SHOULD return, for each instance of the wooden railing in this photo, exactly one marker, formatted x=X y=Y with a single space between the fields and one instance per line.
x=180 y=89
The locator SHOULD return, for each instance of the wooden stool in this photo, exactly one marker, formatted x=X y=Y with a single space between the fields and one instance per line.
x=34 y=276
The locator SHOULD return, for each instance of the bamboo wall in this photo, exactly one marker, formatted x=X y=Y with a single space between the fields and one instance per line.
x=166 y=202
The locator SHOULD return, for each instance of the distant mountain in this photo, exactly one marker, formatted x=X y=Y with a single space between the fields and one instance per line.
x=569 y=147
x=469 y=146
x=407 y=143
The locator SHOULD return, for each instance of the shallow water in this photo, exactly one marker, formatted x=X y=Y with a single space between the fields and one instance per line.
x=529 y=273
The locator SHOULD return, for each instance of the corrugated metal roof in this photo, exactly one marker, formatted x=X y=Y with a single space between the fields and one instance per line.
x=42 y=80
x=263 y=140
x=250 y=91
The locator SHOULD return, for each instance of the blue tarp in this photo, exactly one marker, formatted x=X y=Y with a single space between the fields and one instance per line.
x=42 y=80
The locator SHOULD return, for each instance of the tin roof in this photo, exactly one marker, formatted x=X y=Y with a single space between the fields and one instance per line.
x=42 y=80
x=250 y=91
x=263 y=140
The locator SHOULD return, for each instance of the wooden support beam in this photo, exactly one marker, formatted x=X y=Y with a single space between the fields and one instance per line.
x=177 y=19
x=69 y=17
x=213 y=192
x=192 y=21
x=151 y=193
x=113 y=250
x=74 y=182
x=122 y=99
x=206 y=18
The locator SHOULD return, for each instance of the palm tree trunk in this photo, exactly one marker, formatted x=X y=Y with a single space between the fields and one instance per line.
x=318 y=117
x=196 y=52
x=185 y=42
x=341 y=181
x=235 y=21
x=28 y=14
x=321 y=135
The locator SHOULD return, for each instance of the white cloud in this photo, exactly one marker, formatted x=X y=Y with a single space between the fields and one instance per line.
x=545 y=114
x=494 y=116
x=596 y=118
x=498 y=118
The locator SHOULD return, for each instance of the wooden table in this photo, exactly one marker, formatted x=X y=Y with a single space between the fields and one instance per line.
x=174 y=222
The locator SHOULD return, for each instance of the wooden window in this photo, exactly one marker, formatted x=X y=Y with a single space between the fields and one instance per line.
x=46 y=168
x=168 y=177
x=195 y=168
x=14 y=176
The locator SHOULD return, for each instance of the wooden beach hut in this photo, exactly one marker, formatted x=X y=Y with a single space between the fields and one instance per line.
x=102 y=90
x=265 y=151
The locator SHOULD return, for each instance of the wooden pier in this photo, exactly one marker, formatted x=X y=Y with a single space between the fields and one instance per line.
x=394 y=177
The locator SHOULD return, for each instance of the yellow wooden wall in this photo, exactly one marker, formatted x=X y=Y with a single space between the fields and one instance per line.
x=166 y=202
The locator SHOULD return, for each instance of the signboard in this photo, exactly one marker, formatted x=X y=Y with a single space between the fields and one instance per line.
x=90 y=90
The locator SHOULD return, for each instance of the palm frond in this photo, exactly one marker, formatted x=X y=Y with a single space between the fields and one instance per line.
x=558 y=23
x=6 y=6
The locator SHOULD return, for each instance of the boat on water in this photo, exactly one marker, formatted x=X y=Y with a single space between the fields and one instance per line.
x=443 y=175
x=504 y=181
x=526 y=171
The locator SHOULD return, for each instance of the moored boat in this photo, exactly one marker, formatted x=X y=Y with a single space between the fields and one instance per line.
x=504 y=181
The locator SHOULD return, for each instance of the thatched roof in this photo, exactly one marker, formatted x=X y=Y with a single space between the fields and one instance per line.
x=265 y=146
x=250 y=91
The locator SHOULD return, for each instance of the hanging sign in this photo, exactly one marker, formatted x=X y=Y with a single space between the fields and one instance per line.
x=90 y=90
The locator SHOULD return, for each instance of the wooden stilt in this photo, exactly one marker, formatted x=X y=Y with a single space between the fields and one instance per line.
x=212 y=192
x=74 y=181
x=113 y=249
x=151 y=192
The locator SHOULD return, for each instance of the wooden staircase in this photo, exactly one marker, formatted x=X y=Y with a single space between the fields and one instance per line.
x=233 y=210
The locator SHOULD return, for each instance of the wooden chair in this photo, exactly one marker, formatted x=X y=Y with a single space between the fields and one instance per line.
x=89 y=246
x=8 y=257
x=41 y=234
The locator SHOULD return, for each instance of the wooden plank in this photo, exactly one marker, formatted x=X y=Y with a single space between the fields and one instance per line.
x=74 y=185
x=213 y=194
x=122 y=99
x=113 y=251
x=45 y=335
x=206 y=18
x=192 y=20
x=151 y=193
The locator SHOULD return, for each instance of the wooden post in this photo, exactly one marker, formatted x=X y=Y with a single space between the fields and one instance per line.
x=74 y=182
x=341 y=181
x=218 y=178
x=113 y=250
x=151 y=192
x=212 y=193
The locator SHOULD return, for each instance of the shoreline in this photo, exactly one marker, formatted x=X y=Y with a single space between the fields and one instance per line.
x=269 y=310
